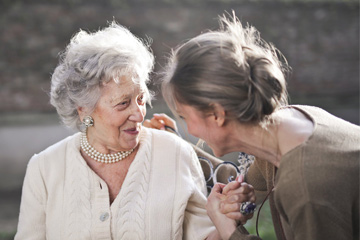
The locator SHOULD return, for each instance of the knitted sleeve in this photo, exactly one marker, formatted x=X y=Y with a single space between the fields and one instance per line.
x=32 y=223
x=197 y=224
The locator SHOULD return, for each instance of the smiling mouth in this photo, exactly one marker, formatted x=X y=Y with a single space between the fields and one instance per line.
x=132 y=131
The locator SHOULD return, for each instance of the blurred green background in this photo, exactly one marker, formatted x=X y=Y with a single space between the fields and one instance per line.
x=319 y=38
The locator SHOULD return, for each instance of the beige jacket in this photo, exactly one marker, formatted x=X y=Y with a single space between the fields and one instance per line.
x=316 y=194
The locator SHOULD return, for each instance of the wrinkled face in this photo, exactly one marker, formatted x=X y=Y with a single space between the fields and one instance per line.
x=118 y=116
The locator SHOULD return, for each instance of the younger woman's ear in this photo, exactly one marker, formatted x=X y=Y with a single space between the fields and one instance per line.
x=219 y=114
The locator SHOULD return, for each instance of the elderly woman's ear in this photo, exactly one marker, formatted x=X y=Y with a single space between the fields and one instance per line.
x=83 y=112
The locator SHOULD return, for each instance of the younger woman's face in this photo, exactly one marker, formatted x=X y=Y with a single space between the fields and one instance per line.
x=202 y=126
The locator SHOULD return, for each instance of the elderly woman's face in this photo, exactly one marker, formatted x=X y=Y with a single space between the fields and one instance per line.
x=118 y=116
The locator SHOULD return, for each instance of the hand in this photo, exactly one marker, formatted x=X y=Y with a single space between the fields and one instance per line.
x=235 y=193
x=225 y=226
x=159 y=121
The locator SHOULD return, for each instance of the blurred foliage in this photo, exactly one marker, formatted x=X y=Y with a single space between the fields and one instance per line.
x=7 y=236
x=265 y=224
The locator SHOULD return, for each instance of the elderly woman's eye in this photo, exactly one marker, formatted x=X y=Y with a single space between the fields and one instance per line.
x=122 y=105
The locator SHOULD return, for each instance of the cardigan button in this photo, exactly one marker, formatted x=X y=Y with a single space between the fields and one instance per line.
x=104 y=217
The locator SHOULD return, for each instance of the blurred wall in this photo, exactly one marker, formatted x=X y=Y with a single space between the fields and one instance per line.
x=320 y=41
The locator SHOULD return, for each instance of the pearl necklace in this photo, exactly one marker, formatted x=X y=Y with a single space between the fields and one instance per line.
x=100 y=157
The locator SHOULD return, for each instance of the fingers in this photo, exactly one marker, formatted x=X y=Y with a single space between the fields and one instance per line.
x=226 y=225
x=237 y=193
x=147 y=123
x=214 y=197
x=154 y=123
x=240 y=178
x=159 y=121
x=226 y=208
x=229 y=204
x=239 y=198
x=238 y=188
x=231 y=186
x=165 y=119
x=233 y=211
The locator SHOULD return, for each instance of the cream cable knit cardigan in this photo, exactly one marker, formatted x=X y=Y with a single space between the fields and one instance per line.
x=163 y=195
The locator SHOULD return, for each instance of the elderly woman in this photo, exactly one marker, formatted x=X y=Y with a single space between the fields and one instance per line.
x=229 y=87
x=116 y=179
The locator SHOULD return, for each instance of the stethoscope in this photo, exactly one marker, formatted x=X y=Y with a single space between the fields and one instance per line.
x=213 y=173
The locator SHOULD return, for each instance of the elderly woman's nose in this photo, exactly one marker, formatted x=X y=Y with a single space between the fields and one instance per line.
x=137 y=113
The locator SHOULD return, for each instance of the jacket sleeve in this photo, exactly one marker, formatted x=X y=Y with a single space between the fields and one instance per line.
x=318 y=221
x=242 y=234
x=32 y=218
x=255 y=177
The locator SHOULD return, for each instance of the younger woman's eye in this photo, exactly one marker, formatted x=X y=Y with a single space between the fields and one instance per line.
x=181 y=117
x=141 y=99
